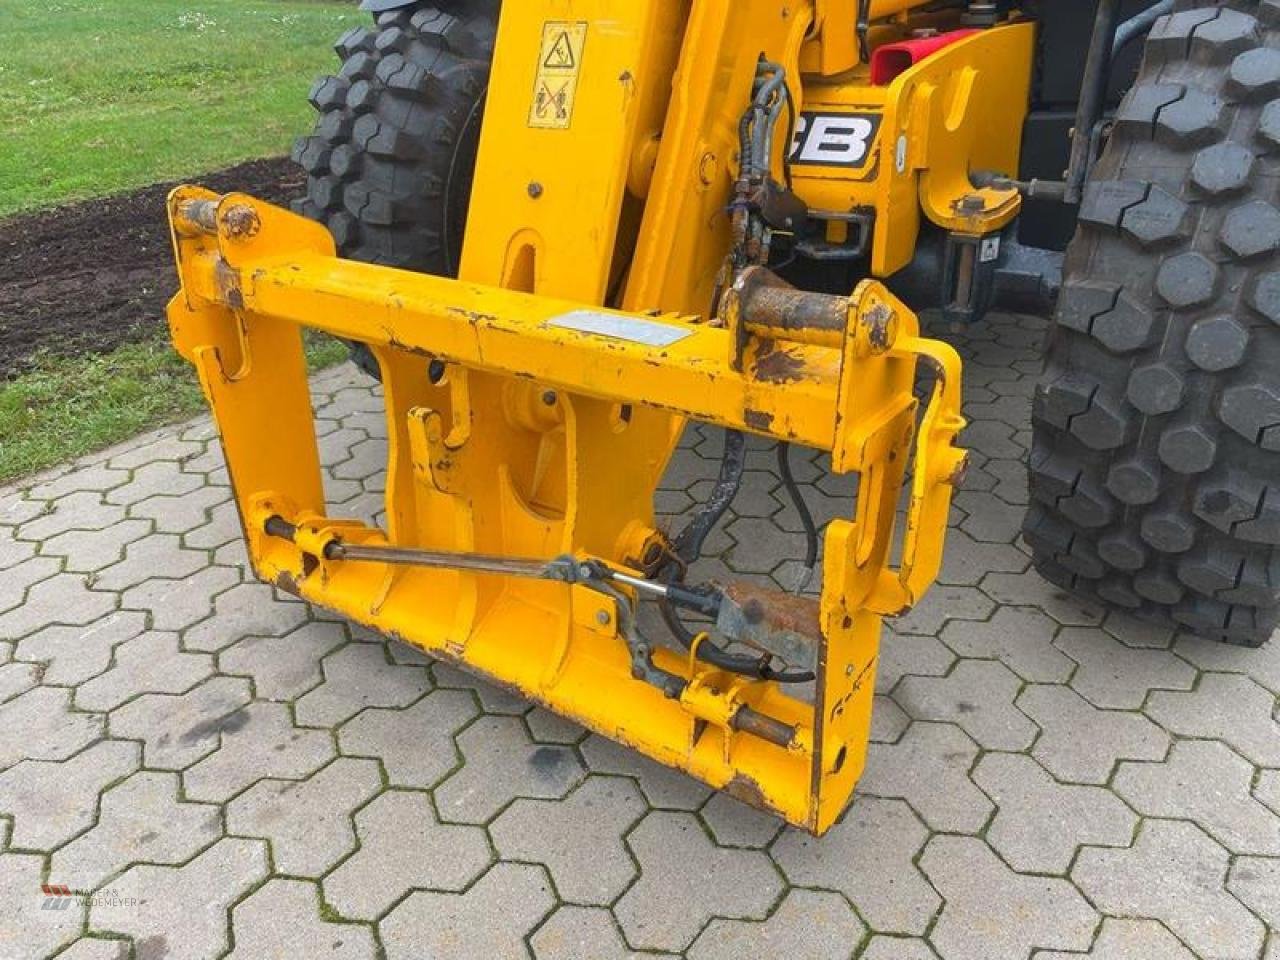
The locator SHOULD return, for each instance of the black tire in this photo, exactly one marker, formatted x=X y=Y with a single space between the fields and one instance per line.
x=1155 y=467
x=390 y=163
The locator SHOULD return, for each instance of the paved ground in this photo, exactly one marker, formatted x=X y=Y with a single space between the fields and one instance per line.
x=225 y=770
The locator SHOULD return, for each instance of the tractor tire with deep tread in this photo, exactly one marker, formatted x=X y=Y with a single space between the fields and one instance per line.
x=1155 y=467
x=391 y=160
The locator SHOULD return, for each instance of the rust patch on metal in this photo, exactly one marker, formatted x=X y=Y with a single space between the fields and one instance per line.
x=284 y=580
x=241 y=222
x=757 y=420
x=775 y=365
x=746 y=789
x=782 y=611
x=879 y=326
x=229 y=285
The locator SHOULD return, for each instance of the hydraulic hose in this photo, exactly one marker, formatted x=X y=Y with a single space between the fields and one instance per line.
x=806 y=518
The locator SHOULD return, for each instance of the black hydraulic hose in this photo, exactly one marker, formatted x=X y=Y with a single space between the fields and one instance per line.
x=802 y=508
x=1093 y=94
x=689 y=542
x=1139 y=24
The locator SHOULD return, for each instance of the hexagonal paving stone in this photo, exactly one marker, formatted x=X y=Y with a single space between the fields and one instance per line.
x=676 y=895
x=283 y=668
x=392 y=860
x=27 y=927
x=14 y=552
x=98 y=476
x=150 y=663
x=40 y=725
x=1129 y=940
x=1224 y=658
x=158 y=477
x=990 y=911
x=1256 y=882
x=262 y=742
x=813 y=924
x=886 y=947
x=735 y=824
x=251 y=609
x=309 y=822
x=142 y=820
x=177 y=731
x=664 y=787
x=978 y=695
x=63 y=598
x=416 y=745
x=283 y=919
x=1206 y=782
x=929 y=768
x=16 y=678
x=180 y=514
x=1176 y=874
x=1039 y=824
x=1117 y=677
x=182 y=911
x=490 y=920
x=71 y=655
x=869 y=857
x=1226 y=707
x=1080 y=743
x=988 y=517
x=501 y=763
x=548 y=727
x=90 y=551
x=584 y=933
x=493 y=699
x=358 y=676
x=52 y=802
x=1267 y=789
x=1031 y=589
x=87 y=948
x=176 y=604
x=967 y=560
x=941 y=604
x=578 y=839
x=84 y=510
x=144 y=557
x=1020 y=638
x=903 y=654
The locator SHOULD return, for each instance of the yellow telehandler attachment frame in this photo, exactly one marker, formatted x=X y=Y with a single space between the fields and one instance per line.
x=532 y=406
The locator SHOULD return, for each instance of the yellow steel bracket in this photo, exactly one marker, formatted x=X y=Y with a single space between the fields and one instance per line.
x=532 y=405
x=253 y=275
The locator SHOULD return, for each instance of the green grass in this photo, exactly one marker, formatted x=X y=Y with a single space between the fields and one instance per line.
x=102 y=96
x=69 y=406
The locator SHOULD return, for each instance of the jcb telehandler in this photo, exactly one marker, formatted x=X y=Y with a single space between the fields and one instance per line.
x=565 y=227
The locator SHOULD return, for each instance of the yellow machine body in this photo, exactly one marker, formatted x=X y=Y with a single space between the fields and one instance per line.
x=591 y=320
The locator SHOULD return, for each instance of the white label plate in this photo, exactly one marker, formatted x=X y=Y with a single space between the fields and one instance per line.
x=648 y=332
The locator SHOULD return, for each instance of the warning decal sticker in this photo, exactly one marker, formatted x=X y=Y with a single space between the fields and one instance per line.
x=559 y=64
